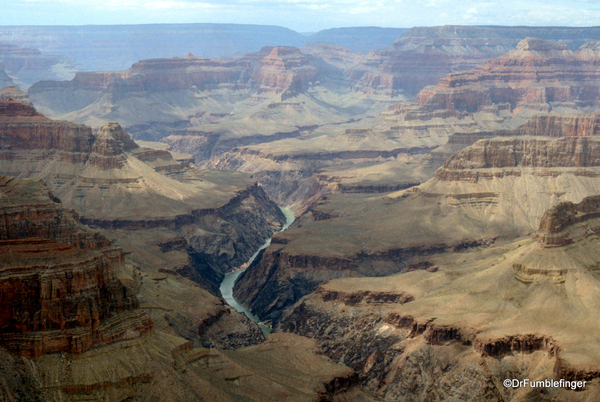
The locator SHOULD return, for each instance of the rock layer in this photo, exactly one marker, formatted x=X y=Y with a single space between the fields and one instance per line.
x=59 y=289
x=423 y=55
x=217 y=218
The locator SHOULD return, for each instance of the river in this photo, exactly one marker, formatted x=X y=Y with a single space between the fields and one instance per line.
x=229 y=280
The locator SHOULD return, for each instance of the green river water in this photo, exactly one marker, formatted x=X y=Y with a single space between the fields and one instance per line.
x=229 y=280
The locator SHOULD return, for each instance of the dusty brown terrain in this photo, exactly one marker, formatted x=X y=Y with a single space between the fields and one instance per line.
x=426 y=334
x=182 y=227
x=139 y=321
x=486 y=218
x=430 y=284
x=536 y=79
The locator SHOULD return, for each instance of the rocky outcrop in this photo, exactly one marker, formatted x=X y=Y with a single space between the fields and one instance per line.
x=78 y=164
x=15 y=94
x=555 y=125
x=411 y=348
x=284 y=68
x=537 y=75
x=574 y=125
x=35 y=131
x=570 y=152
x=59 y=289
x=274 y=69
x=217 y=218
x=110 y=145
x=558 y=226
x=423 y=55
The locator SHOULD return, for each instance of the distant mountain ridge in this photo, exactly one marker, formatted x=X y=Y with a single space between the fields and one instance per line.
x=116 y=47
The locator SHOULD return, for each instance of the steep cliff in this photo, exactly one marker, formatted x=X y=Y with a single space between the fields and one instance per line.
x=423 y=55
x=209 y=222
x=174 y=91
x=285 y=68
x=66 y=289
x=464 y=322
x=59 y=286
x=579 y=125
x=567 y=222
x=537 y=75
x=497 y=188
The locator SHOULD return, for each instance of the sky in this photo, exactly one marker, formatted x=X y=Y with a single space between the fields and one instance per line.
x=304 y=15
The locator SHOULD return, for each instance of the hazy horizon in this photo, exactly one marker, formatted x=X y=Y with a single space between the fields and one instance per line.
x=303 y=15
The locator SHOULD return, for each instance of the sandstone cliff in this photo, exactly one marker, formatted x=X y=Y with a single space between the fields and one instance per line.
x=536 y=76
x=209 y=222
x=60 y=291
x=483 y=192
x=423 y=55
x=173 y=91
x=419 y=331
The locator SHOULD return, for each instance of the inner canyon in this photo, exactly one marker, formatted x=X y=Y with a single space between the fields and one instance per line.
x=229 y=212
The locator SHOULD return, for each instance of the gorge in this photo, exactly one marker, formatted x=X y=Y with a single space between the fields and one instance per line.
x=440 y=231
x=229 y=280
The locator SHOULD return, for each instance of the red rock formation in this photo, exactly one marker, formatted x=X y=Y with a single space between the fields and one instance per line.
x=58 y=286
x=110 y=145
x=423 y=55
x=581 y=125
x=272 y=69
x=537 y=75
x=283 y=68
x=35 y=131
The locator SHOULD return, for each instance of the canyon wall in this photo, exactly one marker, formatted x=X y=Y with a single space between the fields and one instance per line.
x=59 y=286
x=423 y=55
x=186 y=224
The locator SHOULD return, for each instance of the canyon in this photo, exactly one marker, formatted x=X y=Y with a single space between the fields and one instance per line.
x=514 y=214
x=176 y=221
x=445 y=193
x=132 y=308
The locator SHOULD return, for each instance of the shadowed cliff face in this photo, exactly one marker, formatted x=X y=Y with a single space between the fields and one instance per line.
x=479 y=277
x=431 y=330
x=454 y=318
x=61 y=291
x=181 y=225
x=58 y=279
